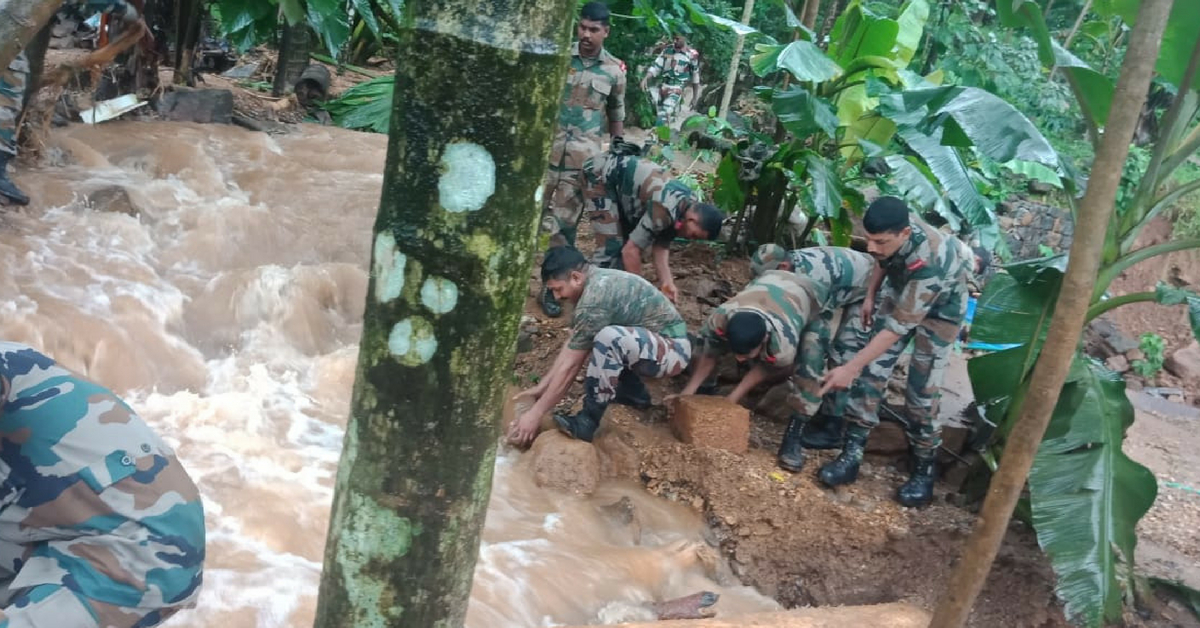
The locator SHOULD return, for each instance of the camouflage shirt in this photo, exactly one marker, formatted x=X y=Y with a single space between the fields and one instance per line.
x=615 y=297
x=841 y=275
x=593 y=97
x=649 y=202
x=678 y=67
x=787 y=301
x=928 y=278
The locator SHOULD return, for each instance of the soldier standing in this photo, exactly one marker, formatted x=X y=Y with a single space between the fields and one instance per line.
x=12 y=97
x=593 y=102
x=679 y=67
x=634 y=205
x=100 y=525
x=623 y=328
x=778 y=322
x=923 y=300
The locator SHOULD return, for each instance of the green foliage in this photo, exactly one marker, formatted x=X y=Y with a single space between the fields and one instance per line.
x=1152 y=346
x=364 y=107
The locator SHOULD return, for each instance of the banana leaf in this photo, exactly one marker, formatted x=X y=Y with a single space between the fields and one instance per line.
x=801 y=58
x=915 y=186
x=1167 y=294
x=1178 y=39
x=803 y=113
x=1087 y=495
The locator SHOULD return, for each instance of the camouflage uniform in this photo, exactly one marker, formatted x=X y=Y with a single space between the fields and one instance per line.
x=593 y=97
x=12 y=95
x=627 y=323
x=798 y=337
x=633 y=198
x=678 y=68
x=923 y=299
x=99 y=523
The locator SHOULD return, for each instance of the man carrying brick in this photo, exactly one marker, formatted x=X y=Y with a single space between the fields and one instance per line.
x=778 y=322
x=624 y=329
x=634 y=205
x=923 y=301
x=848 y=274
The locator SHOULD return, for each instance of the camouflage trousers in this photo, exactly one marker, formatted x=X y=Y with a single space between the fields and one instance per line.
x=931 y=341
x=666 y=101
x=833 y=338
x=12 y=94
x=616 y=348
x=563 y=194
x=610 y=236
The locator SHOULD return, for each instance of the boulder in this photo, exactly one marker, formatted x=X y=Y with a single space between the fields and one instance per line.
x=196 y=105
x=1117 y=364
x=565 y=464
x=1185 y=363
x=715 y=422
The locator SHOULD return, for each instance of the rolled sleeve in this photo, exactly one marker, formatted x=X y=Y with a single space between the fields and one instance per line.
x=616 y=100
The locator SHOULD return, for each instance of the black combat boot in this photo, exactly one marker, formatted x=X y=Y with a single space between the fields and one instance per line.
x=824 y=432
x=791 y=452
x=8 y=189
x=550 y=305
x=631 y=391
x=918 y=490
x=844 y=469
x=583 y=425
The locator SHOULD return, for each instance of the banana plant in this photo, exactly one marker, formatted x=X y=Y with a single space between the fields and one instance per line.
x=248 y=22
x=1086 y=496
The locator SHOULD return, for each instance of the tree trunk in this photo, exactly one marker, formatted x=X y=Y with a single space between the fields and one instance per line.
x=20 y=21
x=453 y=244
x=1050 y=373
x=811 y=9
x=835 y=11
x=735 y=62
x=1087 y=6
x=188 y=16
x=294 y=47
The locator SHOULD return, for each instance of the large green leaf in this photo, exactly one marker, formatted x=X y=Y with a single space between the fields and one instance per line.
x=364 y=10
x=728 y=195
x=328 y=18
x=909 y=177
x=952 y=173
x=859 y=32
x=913 y=16
x=293 y=10
x=825 y=193
x=1087 y=495
x=1178 y=40
x=1170 y=295
x=802 y=113
x=801 y=58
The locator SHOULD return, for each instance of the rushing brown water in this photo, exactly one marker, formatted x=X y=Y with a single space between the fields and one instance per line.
x=216 y=278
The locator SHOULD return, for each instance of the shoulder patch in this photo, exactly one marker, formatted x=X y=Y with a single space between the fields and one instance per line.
x=621 y=64
x=917 y=265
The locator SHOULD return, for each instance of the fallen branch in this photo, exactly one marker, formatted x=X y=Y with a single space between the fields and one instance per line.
x=353 y=68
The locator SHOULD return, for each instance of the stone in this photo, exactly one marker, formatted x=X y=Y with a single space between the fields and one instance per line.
x=617 y=442
x=894 y=615
x=773 y=404
x=1039 y=187
x=887 y=438
x=196 y=105
x=113 y=199
x=1134 y=355
x=564 y=464
x=1185 y=363
x=1117 y=364
x=1006 y=223
x=715 y=422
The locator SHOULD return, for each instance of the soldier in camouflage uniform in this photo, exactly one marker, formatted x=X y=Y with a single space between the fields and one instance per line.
x=634 y=205
x=779 y=323
x=923 y=301
x=12 y=95
x=848 y=273
x=100 y=525
x=679 y=67
x=593 y=102
x=623 y=328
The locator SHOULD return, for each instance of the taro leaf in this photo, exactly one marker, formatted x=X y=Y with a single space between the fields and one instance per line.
x=1087 y=495
x=363 y=8
x=728 y=194
x=825 y=193
x=801 y=58
x=803 y=113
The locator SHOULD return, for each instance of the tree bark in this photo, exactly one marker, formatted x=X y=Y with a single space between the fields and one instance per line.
x=453 y=244
x=811 y=9
x=20 y=21
x=835 y=11
x=1066 y=326
x=1087 y=6
x=188 y=16
x=735 y=62
x=294 y=47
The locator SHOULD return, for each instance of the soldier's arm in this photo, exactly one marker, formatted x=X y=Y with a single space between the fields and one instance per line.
x=709 y=345
x=749 y=381
x=868 y=308
x=641 y=238
x=616 y=107
x=660 y=253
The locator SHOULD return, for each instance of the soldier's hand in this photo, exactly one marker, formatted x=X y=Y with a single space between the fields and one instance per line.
x=524 y=429
x=839 y=378
x=868 y=311
x=670 y=291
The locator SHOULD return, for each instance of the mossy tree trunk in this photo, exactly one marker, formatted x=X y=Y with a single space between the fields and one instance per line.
x=477 y=93
x=294 y=46
x=20 y=21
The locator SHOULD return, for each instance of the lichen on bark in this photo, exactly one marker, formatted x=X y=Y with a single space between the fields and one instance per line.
x=477 y=92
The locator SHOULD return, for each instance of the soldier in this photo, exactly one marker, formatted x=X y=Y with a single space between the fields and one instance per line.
x=12 y=95
x=623 y=328
x=848 y=273
x=923 y=301
x=679 y=66
x=593 y=101
x=634 y=204
x=100 y=525
x=778 y=321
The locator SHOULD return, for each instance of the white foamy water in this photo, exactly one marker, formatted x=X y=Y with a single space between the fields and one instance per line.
x=225 y=304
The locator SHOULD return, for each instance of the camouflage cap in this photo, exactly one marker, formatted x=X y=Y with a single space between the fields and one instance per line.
x=767 y=257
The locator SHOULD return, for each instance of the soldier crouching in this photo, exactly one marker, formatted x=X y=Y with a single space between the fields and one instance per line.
x=100 y=525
